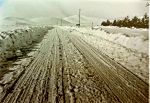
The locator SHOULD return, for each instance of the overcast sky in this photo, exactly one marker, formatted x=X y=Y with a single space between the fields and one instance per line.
x=62 y=8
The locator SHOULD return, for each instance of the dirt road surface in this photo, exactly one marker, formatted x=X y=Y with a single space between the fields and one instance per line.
x=66 y=69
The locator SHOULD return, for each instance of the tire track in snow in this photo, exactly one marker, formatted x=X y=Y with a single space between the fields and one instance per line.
x=116 y=84
x=66 y=69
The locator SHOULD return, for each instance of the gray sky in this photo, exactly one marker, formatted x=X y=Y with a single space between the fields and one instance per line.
x=62 y=8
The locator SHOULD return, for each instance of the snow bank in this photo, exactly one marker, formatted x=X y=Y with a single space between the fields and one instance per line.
x=130 y=32
x=136 y=41
x=12 y=43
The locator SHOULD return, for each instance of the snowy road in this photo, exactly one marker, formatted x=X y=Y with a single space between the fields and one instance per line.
x=66 y=69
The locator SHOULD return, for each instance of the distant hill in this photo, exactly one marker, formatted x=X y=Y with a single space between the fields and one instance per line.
x=16 y=21
x=70 y=20
x=50 y=21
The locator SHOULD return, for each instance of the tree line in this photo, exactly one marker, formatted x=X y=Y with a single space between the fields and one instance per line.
x=127 y=22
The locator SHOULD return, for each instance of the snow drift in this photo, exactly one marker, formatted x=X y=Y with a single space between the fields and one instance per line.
x=13 y=43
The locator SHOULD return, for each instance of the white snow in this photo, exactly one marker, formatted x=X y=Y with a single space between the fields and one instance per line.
x=7 y=78
x=18 y=67
x=12 y=41
x=138 y=42
x=131 y=52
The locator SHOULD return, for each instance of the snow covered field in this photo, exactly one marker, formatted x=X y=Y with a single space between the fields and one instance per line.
x=130 y=51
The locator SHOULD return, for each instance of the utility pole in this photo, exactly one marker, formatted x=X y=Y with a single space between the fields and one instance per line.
x=61 y=21
x=79 y=16
x=57 y=22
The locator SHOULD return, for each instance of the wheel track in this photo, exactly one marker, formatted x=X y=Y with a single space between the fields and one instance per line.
x=130 y=96
x=60 y=73
x=63 y=62
x=109 y=96
x=124 y=73
x=70 y=63
x=28 y=80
